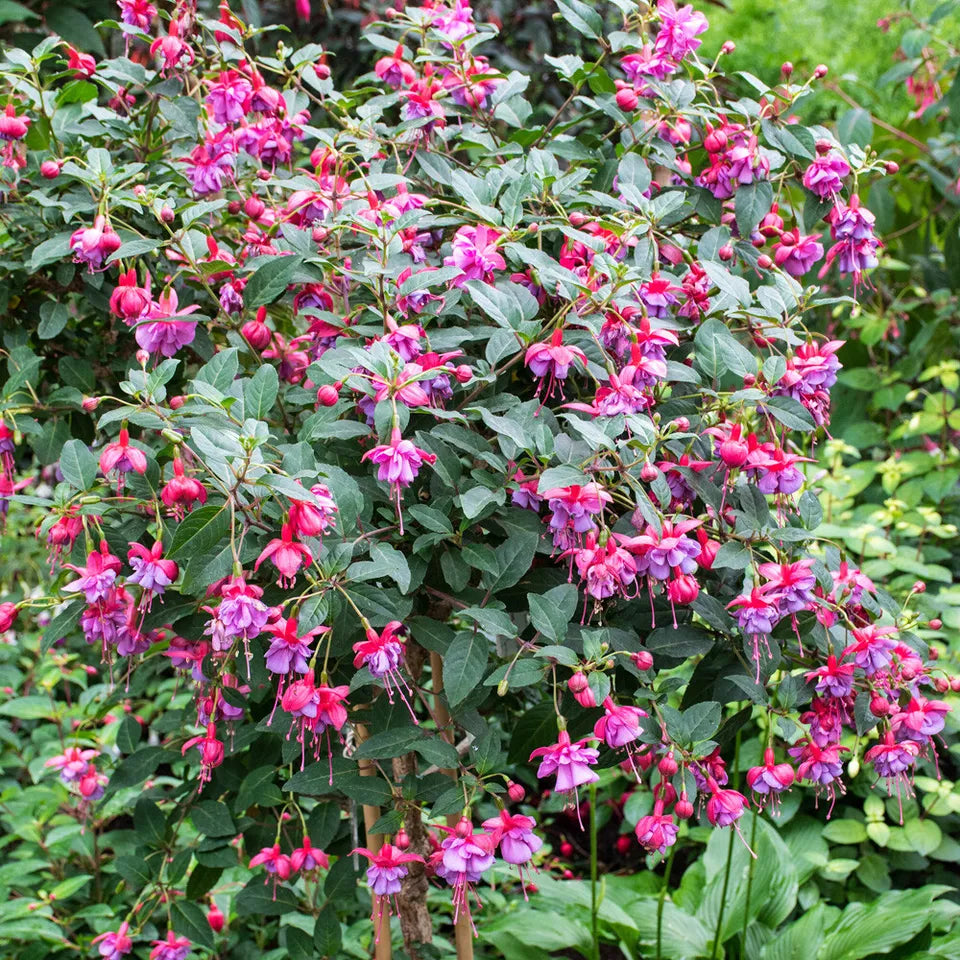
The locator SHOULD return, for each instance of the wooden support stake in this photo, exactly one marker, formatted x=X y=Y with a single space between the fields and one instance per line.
x=463 y=932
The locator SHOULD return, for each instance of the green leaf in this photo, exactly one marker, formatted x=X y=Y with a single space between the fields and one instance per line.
x=133 y=248
x=514 y=559
x=752 y=202
x=583 y=18
x=137 y=767
x=150 y=823
x=315 y=781
x=791 y=413
x=212 y=819
x=924 y=836
x=77 y=464
x=270 y=279
x=717 y=350
x=62 y=625
x=188 y=920
x=438 y=752
x=464 y=665
x=28 y=708
x=389 y=743
x=326 y=934
x=855 y=126
x=845 y=831
x=128 y=734
x=551 y=612
x=53 y=318
x=260 y=392
x=257 y=787
x=202 y=530
x=259 y=898
x=811 y=513
x=220 y=370
x=879 y=926
x=135 y=871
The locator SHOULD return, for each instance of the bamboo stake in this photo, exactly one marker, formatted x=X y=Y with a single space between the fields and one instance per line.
x=462 y=931
x=383 y=949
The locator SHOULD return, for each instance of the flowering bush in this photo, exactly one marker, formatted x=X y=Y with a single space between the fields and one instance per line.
x=405 y=446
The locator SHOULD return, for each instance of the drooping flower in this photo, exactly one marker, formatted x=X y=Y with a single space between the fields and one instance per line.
x=388 y=867
x=833 y=679
x=382 y=654
x=475 y=254
x=570 y=762
x=871 y=647
x=97 y=577
x=115 y=943
x=657 y=831
x=620 y=724
x=210 y=749
x=163 y=328
x=286 y=555
x=770 y=779
x=93 y=245
x=551 y=362
x=129 y=300
x=289 y=651
x=173 y=948
x=679 y=29
x=171 y=48
x=229 y=97
x=277 y=865
x=513 y=832
x=180 y=492
x=797 y=253
x=824 y=176
x=137 y=13
x=72 y=763
x=122 y=457
x=307 y=857
x=151 y=571
x=462 y=859
x=399 y=462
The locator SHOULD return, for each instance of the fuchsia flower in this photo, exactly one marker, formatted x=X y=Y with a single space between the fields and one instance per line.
x=769 y=780
x=670 y=549
x=725 y=808
x=97 y=577
x=920 y=720
x=757 y=616
x=394 y=70
x=892 y=761
x=855 y=249
x=312 y=518
x=307 y=858
x=513 y=833
x=399 y=462
x=792 y=584
x=286 y=555
x=551 y=362
x=605 y=570
x=229 y=97
x=820 y=765
x=388 y=866
x=463 y=858
x=569 y=762
x=657 y=831
x=574 y=507
x=129 y=301
x=151 y=571
x=382 y=654
x=211 y=752
x=137 y=13
x=173 y=948
x=824 y=176
x=277 y=865
x=833 y=679
x=475 y=254
x=797 y=254
x=121 y=457
x=163 y=329
x=872 y=647
x=93 y=245
x=241 y=614
x=114 y=944
x=679 y=29
x=181 y=492
x=620 y=724
x=82 y=64
x=171 y=49
x=288 y=651
x=73 y=763
x=774 y=469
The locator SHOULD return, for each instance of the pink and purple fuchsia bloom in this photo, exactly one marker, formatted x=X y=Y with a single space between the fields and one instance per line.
x=657 y=831
x=475 y=254
x=570 y=762
x=388 y=866
x=114 y=945
x=551 y=362
x=289 y=651
x=398 y=463
x=382 y=654
x=151 y=572
x=824 y=176
x=769 y=780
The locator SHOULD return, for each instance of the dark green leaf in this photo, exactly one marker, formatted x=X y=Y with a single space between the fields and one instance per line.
x=464 y=665
x=270 y=279
x=77 y=464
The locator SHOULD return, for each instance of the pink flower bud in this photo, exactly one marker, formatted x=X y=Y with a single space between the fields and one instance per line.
x=892 y=167
x=515 y=792
x=8 y=613
x=764 y=262
x=728 y=47
x=50 y=169
x=667 y=765
x=142 y=357
x=463 y=373
x=919 y=587
x=683 y=808
x=215 y=918
x=627 y=99
x=935 y=624
x=402 y=840
x=166 y=213
x=734 y=452
x=786 y=70
x=578 y=682
x=879 y=707
x=327 y=395
x=726 y=252
x=820 y=70
x=89 y=404
x=642 y=659
x=649 y=473
x=254 y=207
x=256 y=333
x=715 y=141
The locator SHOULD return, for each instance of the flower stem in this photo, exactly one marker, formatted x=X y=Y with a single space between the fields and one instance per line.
x=663 y=899
x=753 y=862
x=594 y=906
x=723 y=897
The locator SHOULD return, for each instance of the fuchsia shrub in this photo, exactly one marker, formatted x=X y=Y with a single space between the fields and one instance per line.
x=415 y=423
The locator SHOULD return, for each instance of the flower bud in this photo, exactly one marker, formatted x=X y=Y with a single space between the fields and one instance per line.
x=515 y=792
x=627 y=99
x=464 y=827
x=879 y=707
x=726 y=252
x=256 y=333
x=681 y=423
x=89 y=404
x=955 y=684
x=234 y=207
x=166 y=213
x=728 y=46
x=820 y=71
x=764 y=262
x=935 y=624
x=142 y=357
x=683 y=808
x=715 y=141
x=649 y=473
x=667 y=765
x=892 y=167
x=8 y=614
x=402 y=840
x=264 y=174
x=942 y=684
x=853 y=767
x=177 y=402
x=50 y=169
x=327 y=395
x=919 y=587
x=254 y=207
x=503 y=687
x=565 y=849
x=624 y=843
x=734 y=452
x=463 y=373
x=642 y=659
x=786 y=70
x=215 y=918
